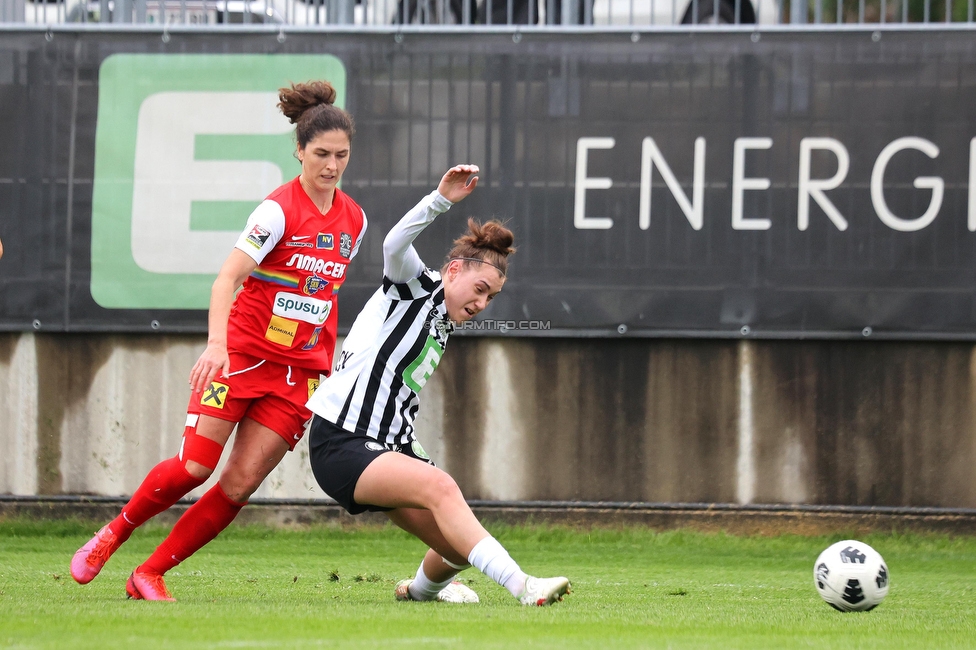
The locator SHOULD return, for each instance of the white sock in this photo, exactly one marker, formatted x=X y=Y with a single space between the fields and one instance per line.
x=493 y=560
x=423 y=589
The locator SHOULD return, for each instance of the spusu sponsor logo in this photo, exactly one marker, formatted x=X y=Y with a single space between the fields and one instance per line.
x=309 y=310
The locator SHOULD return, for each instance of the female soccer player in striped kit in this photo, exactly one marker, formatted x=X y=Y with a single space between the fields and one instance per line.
x=365 y=410
x=266 y=349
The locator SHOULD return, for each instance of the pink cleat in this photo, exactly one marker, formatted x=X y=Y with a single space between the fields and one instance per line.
x=90 y=558
x=147 y=586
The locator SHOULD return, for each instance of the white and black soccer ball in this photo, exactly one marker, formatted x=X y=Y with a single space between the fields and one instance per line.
x=851 y=576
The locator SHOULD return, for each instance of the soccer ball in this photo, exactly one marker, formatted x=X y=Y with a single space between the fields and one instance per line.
x=851 y=576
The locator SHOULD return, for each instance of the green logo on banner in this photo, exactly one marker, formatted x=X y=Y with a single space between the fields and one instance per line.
x=186 y=146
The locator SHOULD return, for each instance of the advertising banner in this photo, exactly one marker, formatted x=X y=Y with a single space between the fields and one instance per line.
x=738 y=183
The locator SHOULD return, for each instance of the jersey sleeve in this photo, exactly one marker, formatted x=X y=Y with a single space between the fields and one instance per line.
x=265 y=228
x=362 y=234
x=401 y=262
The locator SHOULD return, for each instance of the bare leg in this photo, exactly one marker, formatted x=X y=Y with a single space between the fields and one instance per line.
x=434 y=578
x=421 y=524
x=397 y=481
x=256 y=452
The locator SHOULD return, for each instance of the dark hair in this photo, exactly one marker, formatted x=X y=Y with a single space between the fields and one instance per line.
x=310 y=107
x=489 y=242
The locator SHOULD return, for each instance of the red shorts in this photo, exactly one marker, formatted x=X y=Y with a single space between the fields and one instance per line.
x=265 y=391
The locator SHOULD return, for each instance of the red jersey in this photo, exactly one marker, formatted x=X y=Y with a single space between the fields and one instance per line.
x=286 y=311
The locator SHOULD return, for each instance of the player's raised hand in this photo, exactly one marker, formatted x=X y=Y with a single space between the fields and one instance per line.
x=458 y=182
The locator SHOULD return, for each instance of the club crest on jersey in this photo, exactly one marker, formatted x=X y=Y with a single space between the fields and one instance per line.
x=324 y=241
x=258 y=236
x=313 y=341
x=345 y=244
x=419 y=451
x=314 y=284
x=439 y=327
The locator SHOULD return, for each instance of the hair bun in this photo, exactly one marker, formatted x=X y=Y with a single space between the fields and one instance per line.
x=491 y=235
x=299 y=98
x=489 y=242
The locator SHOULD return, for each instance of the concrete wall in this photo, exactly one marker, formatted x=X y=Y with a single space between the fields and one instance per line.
x=860 y=423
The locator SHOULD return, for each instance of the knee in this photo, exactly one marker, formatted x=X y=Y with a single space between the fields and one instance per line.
x=238 y=493
x=442 y=490
x=238 y=483
x=197 y=471
x=199 y=455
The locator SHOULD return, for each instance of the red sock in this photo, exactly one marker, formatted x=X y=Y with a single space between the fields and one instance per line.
x=198 y=525
x=165 y=484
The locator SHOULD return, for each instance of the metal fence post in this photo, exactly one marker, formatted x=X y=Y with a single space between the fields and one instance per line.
x=12 y=11
x=123 y=11
x=341 y=12
x=570 y=12
x=798 y=12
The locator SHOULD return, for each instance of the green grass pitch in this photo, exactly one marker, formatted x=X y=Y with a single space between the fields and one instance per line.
x=321 y=587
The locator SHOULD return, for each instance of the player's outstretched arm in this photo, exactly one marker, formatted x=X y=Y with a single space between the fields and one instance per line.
x=458 y=182
x=400 y=261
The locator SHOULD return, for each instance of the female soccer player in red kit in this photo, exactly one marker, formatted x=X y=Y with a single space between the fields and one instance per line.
x=265 y=351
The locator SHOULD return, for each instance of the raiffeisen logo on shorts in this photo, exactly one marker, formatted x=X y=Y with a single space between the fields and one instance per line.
x=186 y=146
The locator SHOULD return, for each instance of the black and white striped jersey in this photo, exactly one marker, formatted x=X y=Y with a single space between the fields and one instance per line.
x=395 y=343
